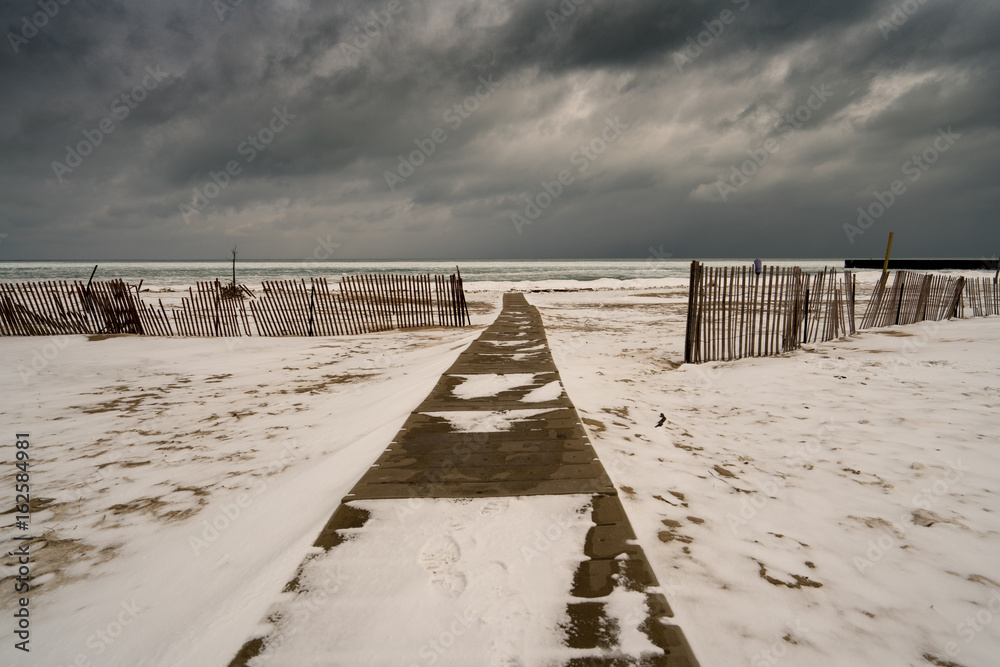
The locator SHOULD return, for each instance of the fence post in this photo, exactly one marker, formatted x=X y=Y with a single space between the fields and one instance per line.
x=805 y=334
x=691 y=316
x=312 y=306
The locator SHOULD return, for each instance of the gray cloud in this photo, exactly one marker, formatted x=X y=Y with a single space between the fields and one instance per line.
x=701 y=87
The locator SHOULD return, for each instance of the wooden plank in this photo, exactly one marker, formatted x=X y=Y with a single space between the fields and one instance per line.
x=426 y=314
x=377 y=306
x=51 y=306
x=956 y=300
x=348 y=309
x=404 y=302
x=717 y=285
x=75 y=298
x=407 y=301
x=368 y=302
x=753 y=282
x=689 y=325
x=461 y=296
x=430 y=300
x=320 y=324
x=298 y=300
x=364 y=301
x=727 y=285
x=700 y=323
x=415 y=302
x=29 y=310
x=289 y=318
x=762 y=349
x=6 y=314
x=710 y=314
x=376 y=301
x=258 y=320
x=264 y=311
x=359 y=302
x=776 y=319
x=270 y=305
x=10 y=310
x=390 y=302
x=337 y=312
x=440 y=296
x=304 y=304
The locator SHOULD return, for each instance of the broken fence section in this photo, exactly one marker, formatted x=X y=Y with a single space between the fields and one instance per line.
x=57 y=307
x=357 y=305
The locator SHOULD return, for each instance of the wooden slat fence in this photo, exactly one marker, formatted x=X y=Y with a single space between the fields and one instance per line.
x=734 y=313
x=983 y=296
x=210 y=312
x=913 y=297
x=357 y=305
x=56 y=307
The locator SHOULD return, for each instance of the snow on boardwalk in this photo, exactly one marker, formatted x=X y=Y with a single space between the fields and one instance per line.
x=487 y=533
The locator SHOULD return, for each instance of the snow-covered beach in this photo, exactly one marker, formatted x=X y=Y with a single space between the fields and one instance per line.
x=835 y=506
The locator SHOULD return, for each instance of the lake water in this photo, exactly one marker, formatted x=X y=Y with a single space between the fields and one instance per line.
x=174 y=275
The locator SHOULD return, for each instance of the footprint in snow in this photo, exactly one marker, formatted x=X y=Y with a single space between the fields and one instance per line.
x=438 y=557
x=494 y=507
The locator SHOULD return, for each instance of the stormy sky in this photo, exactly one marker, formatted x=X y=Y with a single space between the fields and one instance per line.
x=498 y=129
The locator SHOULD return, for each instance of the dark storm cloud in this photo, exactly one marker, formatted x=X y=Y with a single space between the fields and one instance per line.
x=411 y=128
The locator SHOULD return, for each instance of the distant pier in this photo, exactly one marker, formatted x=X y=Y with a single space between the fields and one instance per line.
x=924 y=264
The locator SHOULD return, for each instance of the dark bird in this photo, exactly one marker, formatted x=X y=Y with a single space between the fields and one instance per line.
x=660 y=423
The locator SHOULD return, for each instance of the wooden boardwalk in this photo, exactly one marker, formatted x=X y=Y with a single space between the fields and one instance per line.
x=545 y=451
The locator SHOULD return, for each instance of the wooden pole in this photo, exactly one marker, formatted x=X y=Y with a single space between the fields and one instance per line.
x=888 y=249
x=689 y=330
x=312 y=307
